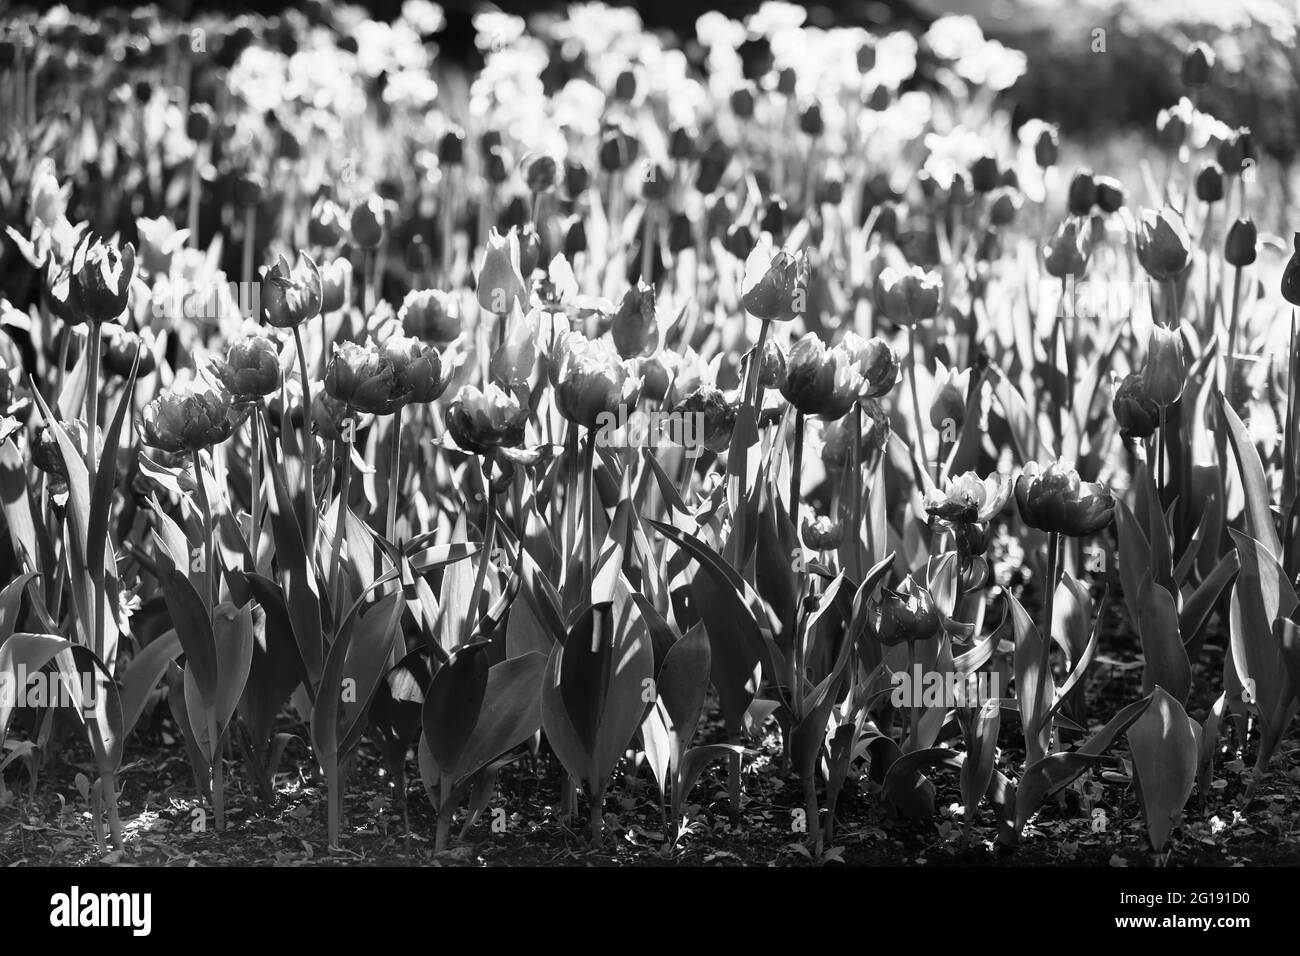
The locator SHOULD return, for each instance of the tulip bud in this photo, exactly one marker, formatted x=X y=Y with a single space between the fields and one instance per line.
x=618 y=147
x=1291 y=275
x=47 y=454
x=740 y=241
x=774 y=217
x=775 y=286
x=960 y=191
x=494 y=166
x=1110 y=194
x=1082 y=194
x=199 y=122
x=575 y=237
x=948 y=407
x=634 y=328
x=1209 y=183
x=713 y=165
x=291 y=296
x=811 y=122
x=984 y=175
x=1197 y=64
x=718 y=417
x=681 y=144
x=681 y=233
x=451 y=148
x=1239 y=247
x=625 y=87
x=1003 y=206
x=1163 y=245
x=1236 y=154
x=1165 y=371
x=787 y=80
x=742 y=103
x=771 y=371
x=418 y=367
x=1067 y=253
x=367 y=219
x=877 y=363
x=1135 y=412
x=1046 y=147
x=500 y=283
x=909 y=296
x=656 y=182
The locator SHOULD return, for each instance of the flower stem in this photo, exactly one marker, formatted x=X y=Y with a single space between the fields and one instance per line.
x=308 y=484
x=916 y=400
x=1232 y=333
x=1049 y=601
x=250 y=224
x=340 y=531
x=796 y=467
x=394 y=466
x=255 y=485
x=489 y=533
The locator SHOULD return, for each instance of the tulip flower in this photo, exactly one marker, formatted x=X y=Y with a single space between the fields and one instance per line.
x=189 y=417
x=772 y=368
x=775 y=288
x=907 y=614
x=1110 y=194
x=1166 y=370
x=969 y=498
x=123 y=345
x=821 y=381
x=328 y=224
x=909 y=296
x=363 y=377
x=878 y=364
x=594 y=382
x=1198 y=61
x=1057 y=501
x=540 y=172
x=499 y=280
x=1239 y=247
x=328 y=416
x=822 y=534
x=1137 y=415
x=482 y=421
x=1046 y=147
x=336 y=278
x=100 y=276
x=366 y=222
x=292 y=296
x=1209 y=183
x=1236 y=153
x=1067 y=253
x=1291 y=275
x=1082 y=194
x=1163 y=245
x=634 y=328
x=717 y=416
x=431 y=316
x=46 y=452
x=948 y=406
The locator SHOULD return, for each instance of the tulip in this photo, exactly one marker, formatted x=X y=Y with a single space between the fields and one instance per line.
x=1067 y=252
x=292 y=296
x=634 y=328
x=878 y=364
x=451 y=148
x=907 y=614
x=984 y=174
x=775 y=288
x=249 y=189
x=909 y=296
x=335 y=280
x=948 y=406
x=739 y=241
x=1209 y=183
x=499 y=280
x=969 y=498
x=1236 y=154
x=251 y=369
x=189 y=417
x=821 y=381
x=1291 y=275
x=482 y=421
x=540 y=173
x=100 y=280
x=1110 y=194
x=594 y=382
x=367 y=222
x=47 y=454
x=713 y=165
x=1239 y=247
x=328 y=224
x=123 y=345
x=328 y=416
x=1057 y=501
x=1163 y=245
x=717 y=416
x=772 y=368
x=1135 y=412
x=199 y=122
x=1166 y=370
x=657 y=373
x=810 y=120
x=576 y=178
x=1082 y=194
x=1046 y=147
x=363 y=377
x=1004 y=205
x=430 y=315
x=575 y=237
x=822 y=534
x=418 y=366
x=1197 y=64
x=618 y=147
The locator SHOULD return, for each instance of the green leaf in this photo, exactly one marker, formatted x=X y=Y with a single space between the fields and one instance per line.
x=1162 y=645
x=1259 y=515
x=143 y=674
x=453 y=702
x=1165 y=745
